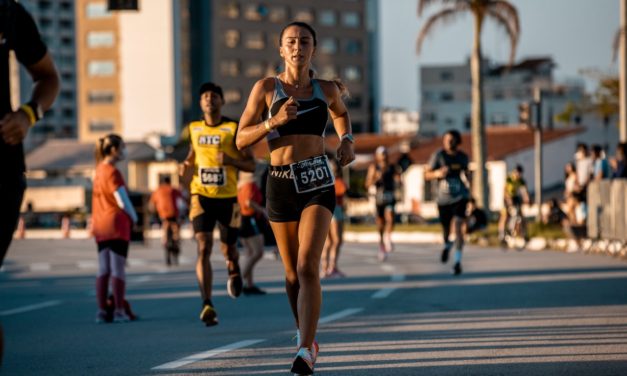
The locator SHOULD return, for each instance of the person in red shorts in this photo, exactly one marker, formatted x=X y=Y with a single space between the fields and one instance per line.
x=164 y=200
x=112 y=218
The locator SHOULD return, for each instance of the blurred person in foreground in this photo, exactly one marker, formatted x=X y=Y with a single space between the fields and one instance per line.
x=18 y=33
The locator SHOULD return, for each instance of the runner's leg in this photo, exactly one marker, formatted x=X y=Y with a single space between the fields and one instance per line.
x=312 y=231
x=286 y=235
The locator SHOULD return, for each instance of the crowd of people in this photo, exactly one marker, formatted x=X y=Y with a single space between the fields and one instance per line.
x=302 y=197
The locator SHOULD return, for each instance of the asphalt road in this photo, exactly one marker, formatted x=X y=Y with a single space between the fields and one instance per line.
x=510 y=313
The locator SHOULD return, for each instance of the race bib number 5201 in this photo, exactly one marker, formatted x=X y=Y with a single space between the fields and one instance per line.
x=311 y=174
x=212 y=176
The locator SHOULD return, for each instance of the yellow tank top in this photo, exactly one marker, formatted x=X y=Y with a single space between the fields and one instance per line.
x=210 y=178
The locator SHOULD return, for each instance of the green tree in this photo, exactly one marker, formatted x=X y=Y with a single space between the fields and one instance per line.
x=506 y=16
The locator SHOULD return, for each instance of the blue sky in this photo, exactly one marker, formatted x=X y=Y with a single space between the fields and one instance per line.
x=578 y=34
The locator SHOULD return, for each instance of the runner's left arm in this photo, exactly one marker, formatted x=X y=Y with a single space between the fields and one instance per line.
x=124 y=202
x=341 y=122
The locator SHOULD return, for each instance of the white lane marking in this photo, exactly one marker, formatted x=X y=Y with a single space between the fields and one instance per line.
x=87 y=264
x=388 y=268
x=140 y=279
x=396 y=277
x=29 y=308
x=339 y=315
x=207 y=354
x=40 y=267
x=136 y=262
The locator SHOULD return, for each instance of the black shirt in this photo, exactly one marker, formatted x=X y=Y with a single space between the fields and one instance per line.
x=20 y=34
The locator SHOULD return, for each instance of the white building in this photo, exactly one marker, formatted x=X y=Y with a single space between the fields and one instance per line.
x=446 y=94
x=399 y=121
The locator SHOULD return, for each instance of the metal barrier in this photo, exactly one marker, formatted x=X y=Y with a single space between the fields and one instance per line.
x=607 y=216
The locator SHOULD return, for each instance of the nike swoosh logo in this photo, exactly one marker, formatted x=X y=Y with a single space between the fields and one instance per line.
x=307 y=110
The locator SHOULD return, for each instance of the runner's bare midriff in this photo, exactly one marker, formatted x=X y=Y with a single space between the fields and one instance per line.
x=294 y=148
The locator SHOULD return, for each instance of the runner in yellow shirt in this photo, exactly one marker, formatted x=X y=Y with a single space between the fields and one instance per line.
x=214 y=161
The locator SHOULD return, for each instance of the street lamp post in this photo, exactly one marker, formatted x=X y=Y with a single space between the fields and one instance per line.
x=537 y=137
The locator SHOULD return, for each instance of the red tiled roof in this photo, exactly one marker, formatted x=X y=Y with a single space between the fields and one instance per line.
x=500 y=142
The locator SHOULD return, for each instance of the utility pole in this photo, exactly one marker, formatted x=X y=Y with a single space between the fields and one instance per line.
x=537 y=137
x=622 y=63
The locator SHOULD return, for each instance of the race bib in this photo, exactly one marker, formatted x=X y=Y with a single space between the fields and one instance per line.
x=311 y=174
x=212 y=176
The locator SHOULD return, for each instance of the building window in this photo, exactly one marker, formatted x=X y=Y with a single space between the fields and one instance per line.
x=101 y=68
x=100 y=97
x=304 y=15
x=45 y=23
x=97 y=39
x=97 y=10
x=351 y=19
x=278 y=14
x=254 y=40
x=229 y=68
x=353 y=47
x=67 y=95
x=328 y=46
x=254 y=69
x=123 y=5
x=68 y=112
x=449 y=122
x=101 y=125
x=255 y=12
x=354 y=101
x=67 y=42
x=45 y=5
x=446 y=75
x=229 y=10
x=467 y=122
x=66 y=24
x=498 y=94
x=232 y=96
x=66 y=5
x=327 y=18
x=446 y=96
x=352 y=73
x=328 y=72
x=231 y=38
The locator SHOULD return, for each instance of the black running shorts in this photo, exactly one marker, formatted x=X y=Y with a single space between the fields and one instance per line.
x=117 y=246
x=284 y=204
x=205 y=212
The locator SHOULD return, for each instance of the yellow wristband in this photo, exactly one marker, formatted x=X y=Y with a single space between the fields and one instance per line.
x=29 y=113
x=266 y=124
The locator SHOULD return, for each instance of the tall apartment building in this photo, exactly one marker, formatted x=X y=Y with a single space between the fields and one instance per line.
x=55 y=20
x=131 y=66
x=242 y=46
x=446 y=94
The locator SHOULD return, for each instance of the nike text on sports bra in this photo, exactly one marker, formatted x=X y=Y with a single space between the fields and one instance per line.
x=311 y=116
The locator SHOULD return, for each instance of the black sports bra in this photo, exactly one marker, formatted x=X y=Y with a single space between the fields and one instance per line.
x=311 y=116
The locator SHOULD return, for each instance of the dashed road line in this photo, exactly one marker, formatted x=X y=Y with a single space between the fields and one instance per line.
x=207 y=354
x=339 y=315
x=29 y=308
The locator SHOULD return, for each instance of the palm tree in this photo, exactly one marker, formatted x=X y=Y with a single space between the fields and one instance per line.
x=505 y=15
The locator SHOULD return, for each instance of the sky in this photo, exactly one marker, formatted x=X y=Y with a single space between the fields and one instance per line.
x=577 y=34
